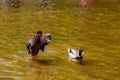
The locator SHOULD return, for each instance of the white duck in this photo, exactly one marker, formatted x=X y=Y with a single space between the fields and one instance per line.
x=75 y=54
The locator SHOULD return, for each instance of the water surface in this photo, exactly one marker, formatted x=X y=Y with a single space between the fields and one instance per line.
x=95 y=30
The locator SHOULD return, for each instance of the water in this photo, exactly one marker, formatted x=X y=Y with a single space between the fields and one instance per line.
x=95 y=29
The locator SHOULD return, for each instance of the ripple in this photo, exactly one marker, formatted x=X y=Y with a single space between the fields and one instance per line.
x=21 y=57
x=9 y=64
x=11 y=71
x=12 y=77
x=8 y=71
x=5 y=62
x=75 y=60
x=22 y=52
x=50 y=51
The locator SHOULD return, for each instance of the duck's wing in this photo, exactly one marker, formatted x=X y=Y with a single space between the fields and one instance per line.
x=42 y=47
x=72 y=51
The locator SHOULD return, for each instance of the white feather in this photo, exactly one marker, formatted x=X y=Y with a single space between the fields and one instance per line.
x=73 y=53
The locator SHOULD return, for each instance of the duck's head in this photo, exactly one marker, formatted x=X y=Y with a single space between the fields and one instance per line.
x=80 y=52
x=39 y=32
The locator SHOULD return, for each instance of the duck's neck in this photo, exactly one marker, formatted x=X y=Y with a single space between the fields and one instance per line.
x=80 y=53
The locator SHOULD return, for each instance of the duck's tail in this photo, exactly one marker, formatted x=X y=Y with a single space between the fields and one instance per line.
x=69 y=50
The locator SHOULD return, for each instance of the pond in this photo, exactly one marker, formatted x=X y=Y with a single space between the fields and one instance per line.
x=94 y=28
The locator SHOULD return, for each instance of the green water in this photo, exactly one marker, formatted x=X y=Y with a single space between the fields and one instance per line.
x=96 y=31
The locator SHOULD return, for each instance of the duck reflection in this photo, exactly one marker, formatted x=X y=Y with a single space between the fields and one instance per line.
x=87 y=13
x=87 y=4
x=39 y=68
x=75 y=60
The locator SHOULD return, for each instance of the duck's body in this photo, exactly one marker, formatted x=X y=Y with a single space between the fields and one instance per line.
x=37 y=42
x=33 y=44
x=75 y=54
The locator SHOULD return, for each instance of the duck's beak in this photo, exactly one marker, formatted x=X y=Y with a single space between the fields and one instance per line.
x=82 y=53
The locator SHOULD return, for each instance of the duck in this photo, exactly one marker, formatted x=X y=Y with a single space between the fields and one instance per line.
x=38 y=42
x=75 y=54
x=33 y=44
